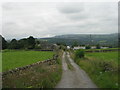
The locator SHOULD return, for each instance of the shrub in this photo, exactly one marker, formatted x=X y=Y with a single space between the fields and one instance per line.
x=79 y=53
x=88 y=47
x=37 y=47
x=97 y=46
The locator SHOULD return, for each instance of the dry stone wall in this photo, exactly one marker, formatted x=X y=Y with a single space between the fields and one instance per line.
x=49 y=62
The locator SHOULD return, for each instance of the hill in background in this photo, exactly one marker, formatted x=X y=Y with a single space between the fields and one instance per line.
x=84 y=39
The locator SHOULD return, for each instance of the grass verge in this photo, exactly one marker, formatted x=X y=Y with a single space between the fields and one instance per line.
x=68 y=63
x=101 y=67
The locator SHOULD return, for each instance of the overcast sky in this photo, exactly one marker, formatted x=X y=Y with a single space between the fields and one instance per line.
x=46 y=19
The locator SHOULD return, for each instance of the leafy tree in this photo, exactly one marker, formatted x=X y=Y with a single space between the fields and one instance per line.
x=13 y=44
x=80 y=53
x=4 y=42
x=31 y=42
x=61 y=43
x=23 y=43
x=27 y=43
x=75 y=44
x=98 y=46
x=37 y=47
x=37 y=42
x=88 y=47
x=58 y=43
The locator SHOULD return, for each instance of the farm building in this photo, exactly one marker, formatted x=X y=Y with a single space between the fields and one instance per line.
x=68 y=47
x=76 y=48
x=93 y=47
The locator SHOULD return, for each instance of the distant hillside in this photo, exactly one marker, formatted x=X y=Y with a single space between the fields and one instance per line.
x=83 y=39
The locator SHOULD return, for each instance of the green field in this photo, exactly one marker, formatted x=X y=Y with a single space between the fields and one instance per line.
x=102 y=49
x=13 y=59
x=102 y=68
x=45 y=75
x=109 y=56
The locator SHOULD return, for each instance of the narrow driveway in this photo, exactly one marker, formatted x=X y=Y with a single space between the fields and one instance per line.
x=73 y=78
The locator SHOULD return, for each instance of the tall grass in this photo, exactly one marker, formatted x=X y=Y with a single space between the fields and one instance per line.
x=102 y=68
x=39 y=76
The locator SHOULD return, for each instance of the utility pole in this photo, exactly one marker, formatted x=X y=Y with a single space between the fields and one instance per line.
x=91 y=40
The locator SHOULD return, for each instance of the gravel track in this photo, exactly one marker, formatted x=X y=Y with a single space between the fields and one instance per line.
x=75 y=78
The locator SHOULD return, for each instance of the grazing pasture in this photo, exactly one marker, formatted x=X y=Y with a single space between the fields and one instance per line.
x=12 y=59
x=109 y=56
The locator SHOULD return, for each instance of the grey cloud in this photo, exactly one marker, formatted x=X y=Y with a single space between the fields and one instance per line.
x=77 y=17
x=71 y=8
x=25 y=19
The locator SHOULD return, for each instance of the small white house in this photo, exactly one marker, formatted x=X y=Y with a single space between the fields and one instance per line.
x=93 y=47
x=76 y=48
x=68 y=47
x=55 y=44
x=82 y=47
